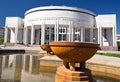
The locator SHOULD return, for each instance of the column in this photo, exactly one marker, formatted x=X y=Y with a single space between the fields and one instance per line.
x=43 y=33
x=91 y=34
x=32 y=34
x=49 y=34
x=66 y=33
x=100 y=36
x=82 y=34
x=72 y=31
x=25 y=35
x=38 y=36
x=69 y=39
x=57 y=32
x=16 y=34
x=114 y=39
x=6 y=34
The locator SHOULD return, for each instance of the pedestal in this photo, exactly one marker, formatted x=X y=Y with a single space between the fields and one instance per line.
x=65 y=75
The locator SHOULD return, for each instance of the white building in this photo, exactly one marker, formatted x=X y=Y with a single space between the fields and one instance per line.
x=61 y=23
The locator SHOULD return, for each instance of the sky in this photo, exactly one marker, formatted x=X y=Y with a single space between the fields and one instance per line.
x=9 y=8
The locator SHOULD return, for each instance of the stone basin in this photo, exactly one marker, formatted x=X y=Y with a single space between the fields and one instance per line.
x=74 y=51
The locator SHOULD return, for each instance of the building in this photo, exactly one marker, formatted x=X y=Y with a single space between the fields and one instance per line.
x=1 y=32
x=118 y=37
x=42 y=25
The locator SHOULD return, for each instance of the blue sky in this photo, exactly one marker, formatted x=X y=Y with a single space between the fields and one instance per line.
x=19 y=7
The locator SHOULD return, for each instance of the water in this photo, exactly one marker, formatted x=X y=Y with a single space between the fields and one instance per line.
x=26 y=68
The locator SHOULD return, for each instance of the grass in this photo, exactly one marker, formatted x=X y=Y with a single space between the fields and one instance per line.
x=109 y=54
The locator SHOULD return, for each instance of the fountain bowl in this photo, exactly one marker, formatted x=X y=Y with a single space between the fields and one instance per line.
x=46 y=47
x=74 y=51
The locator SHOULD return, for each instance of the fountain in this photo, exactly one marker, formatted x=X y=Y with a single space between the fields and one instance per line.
x=74 y=55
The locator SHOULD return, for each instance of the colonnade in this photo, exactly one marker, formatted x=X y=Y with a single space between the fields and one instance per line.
x=13 y=34
x=32 y=34
x=70 y=33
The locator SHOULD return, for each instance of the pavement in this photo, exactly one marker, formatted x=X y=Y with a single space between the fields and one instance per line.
x=20 y=47
x=105 y=60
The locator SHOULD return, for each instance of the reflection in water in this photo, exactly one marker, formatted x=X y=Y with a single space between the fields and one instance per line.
x=22 y=68
x=0 y=66
x=26 y=68
x=11 y=67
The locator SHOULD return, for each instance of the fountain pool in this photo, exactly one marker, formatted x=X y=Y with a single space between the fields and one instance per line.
x=26 y=68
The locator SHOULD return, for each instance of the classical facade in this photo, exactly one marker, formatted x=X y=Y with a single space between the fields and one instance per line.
x=42 y=25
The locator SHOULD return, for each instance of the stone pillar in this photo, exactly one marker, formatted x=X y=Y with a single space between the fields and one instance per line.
x=82 y=34
x=91 y=34
x=6 y=34
x=98 y=35
x=49 y=34
x=25 y=35
x=38 y=37
x=69 y=39
x=101 y=40
x=72 y=31
x=114 y=34
x=43 y=33
x=57 y=31
x=16 y=34
x=32 y=34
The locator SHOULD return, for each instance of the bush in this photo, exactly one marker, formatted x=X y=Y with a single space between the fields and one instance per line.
x=118 y=43
x=1 y=41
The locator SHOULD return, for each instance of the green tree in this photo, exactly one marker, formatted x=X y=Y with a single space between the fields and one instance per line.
x=1 y=41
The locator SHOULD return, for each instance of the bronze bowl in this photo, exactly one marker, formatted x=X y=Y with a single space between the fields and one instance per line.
x=46 y=48
x=74 y=51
